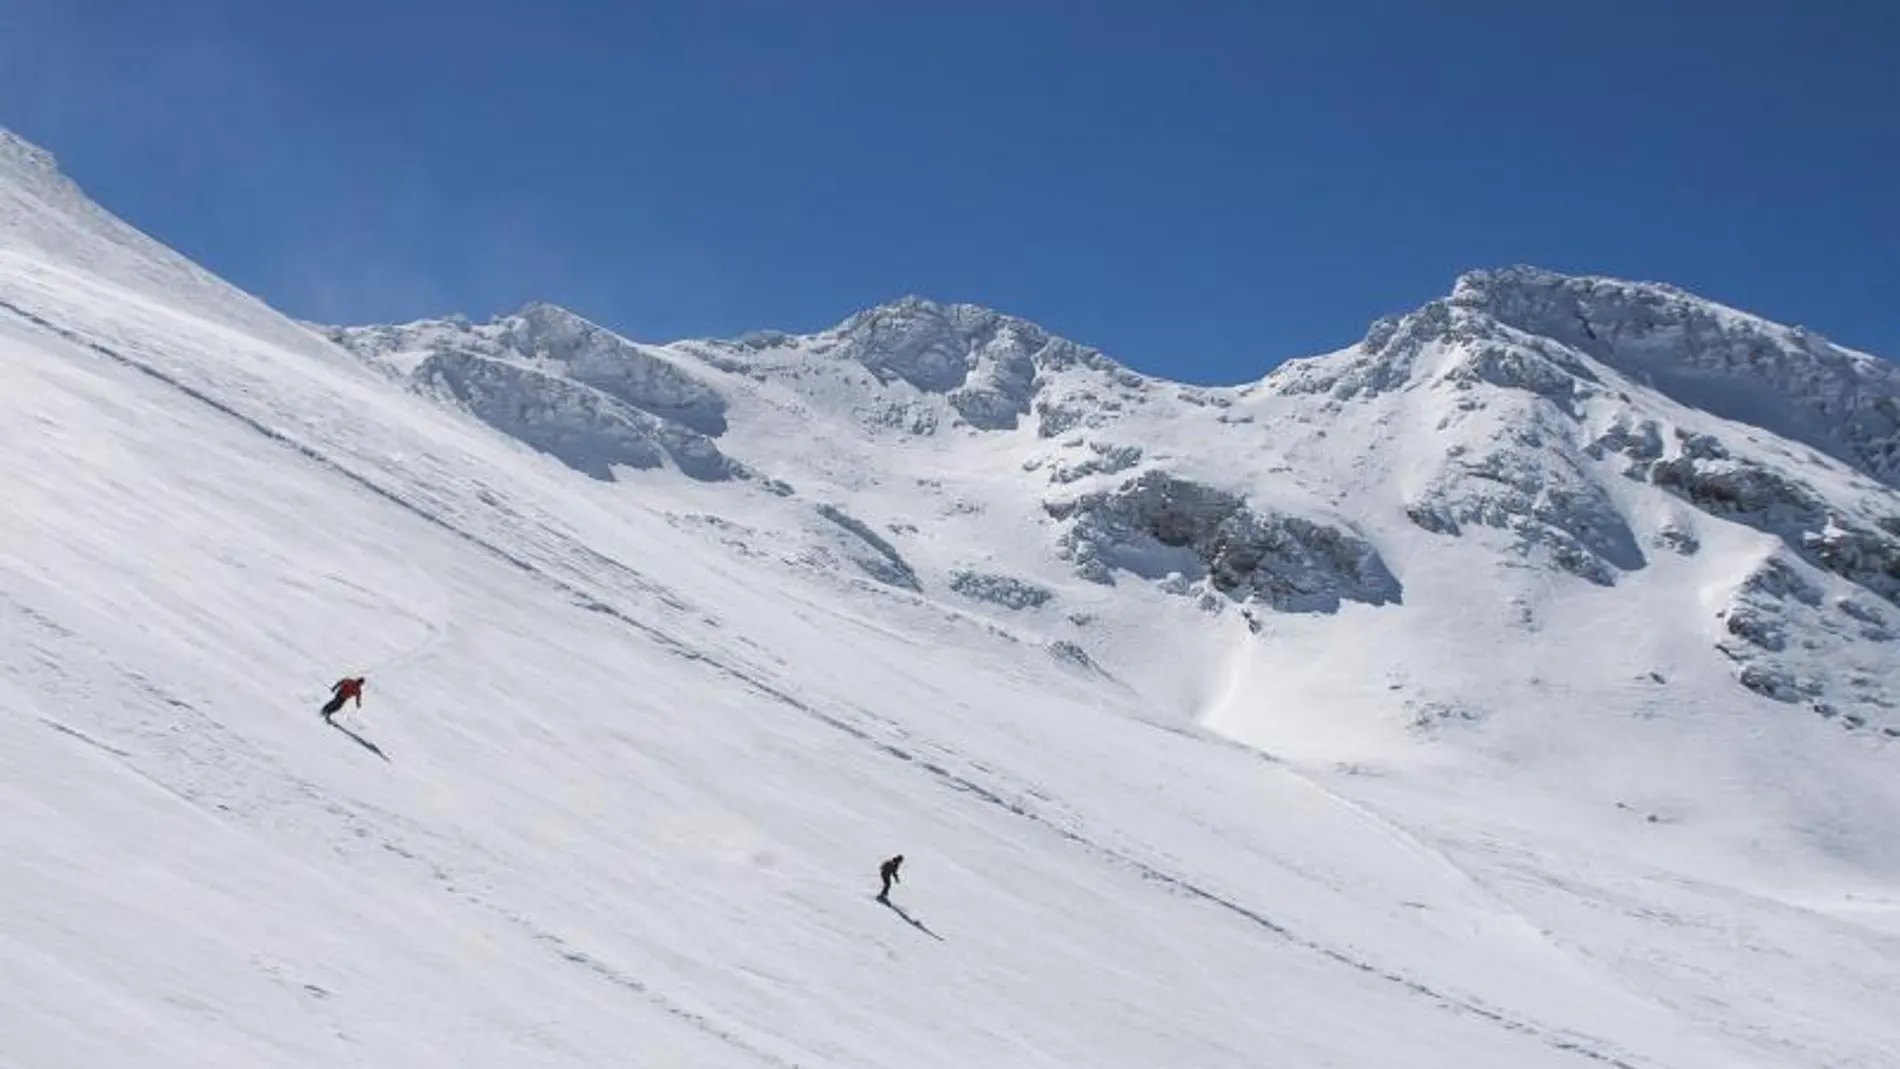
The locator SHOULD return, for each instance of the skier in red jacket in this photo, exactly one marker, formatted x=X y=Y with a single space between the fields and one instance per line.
x=344 y=690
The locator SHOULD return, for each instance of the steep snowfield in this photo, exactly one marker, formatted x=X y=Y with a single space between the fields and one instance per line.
x=934 y=583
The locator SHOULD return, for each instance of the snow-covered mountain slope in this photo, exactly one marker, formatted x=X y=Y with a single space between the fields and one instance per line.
x=662 y=670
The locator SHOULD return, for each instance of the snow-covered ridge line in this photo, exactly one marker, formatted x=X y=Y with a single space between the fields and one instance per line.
x=917 y=339
x=1787 y=380
x=1540 y=380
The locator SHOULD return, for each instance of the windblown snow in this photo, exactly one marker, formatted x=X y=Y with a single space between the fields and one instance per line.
x=1513 y=688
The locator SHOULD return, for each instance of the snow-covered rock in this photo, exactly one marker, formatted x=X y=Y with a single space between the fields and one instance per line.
x=1791 y=642
x=562 y=385
x=1156 y=525
x=1772 y=501
x=1730 y=364
x=870 y=551
x=919 y=367
x=588 y=429
x=1004 y=590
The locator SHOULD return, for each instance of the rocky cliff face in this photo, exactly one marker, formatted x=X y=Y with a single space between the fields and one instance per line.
x=1159 y=527
x=1786 y=380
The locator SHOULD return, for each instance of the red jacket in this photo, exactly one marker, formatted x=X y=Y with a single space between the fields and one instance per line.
x=346 y=689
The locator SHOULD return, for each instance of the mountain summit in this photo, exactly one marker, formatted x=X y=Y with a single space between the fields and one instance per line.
x=1704 y=355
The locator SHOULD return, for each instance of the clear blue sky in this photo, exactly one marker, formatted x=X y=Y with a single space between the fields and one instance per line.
x=1201 y=188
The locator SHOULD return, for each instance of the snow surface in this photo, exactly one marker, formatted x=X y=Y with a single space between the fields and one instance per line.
x=1459 y=699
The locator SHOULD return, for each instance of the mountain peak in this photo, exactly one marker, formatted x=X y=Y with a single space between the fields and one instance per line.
x=911 y=303
x=547 y=315
x=1490 y=284
x=1595 y=312
x=912 y=314
x=1707 y=355
x=1536 y=299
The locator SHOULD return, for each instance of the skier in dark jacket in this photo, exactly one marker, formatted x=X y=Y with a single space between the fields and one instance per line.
x=342 y=691
x=888 y=873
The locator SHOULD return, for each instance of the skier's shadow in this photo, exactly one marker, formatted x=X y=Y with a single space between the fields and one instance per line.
x=360 y=740
x=910 y=920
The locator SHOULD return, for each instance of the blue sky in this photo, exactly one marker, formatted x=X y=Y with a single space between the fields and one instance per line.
x=1201 y=188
